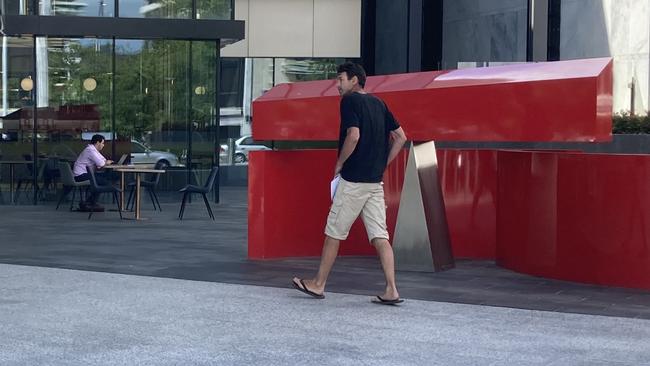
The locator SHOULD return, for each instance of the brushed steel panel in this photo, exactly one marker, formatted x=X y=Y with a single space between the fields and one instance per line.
x=411 y=243
x=422 y=233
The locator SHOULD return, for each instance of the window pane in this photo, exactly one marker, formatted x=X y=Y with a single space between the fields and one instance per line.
x=74 y=84
x=16 y=124
x=151 y=95
x=204 y=111
x=181 y=9
x=214 y=9
x=97 y=8
x=137 y=148
x=262 y=76
x=232 y=87
x=288 y=70
x=18 y=7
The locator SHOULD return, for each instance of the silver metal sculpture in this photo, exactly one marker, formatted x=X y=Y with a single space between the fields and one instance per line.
x=421 y=234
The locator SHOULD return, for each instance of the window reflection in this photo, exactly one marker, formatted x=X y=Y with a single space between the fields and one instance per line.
x=181 y=9
x=156 y=104
x=18 y=7
x=73 y=94
x=152 y=92
x=214 y=9
x=93 y=8
x=289 y=70
x=16 y=127
x=204 y=112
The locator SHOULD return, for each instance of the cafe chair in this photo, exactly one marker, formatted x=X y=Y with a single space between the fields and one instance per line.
x=96 y=188
x=150 y=184
x=27 y=181
x=51 y=173
x=69 y=184
x=207 y=188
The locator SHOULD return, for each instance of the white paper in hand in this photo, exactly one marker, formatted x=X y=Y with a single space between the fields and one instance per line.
x=333 y=185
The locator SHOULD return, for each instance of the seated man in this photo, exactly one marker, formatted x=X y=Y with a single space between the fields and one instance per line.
x=91 y=157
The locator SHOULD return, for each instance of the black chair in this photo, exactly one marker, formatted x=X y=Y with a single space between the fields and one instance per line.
x=27 y=181
x=69 y=184
x=207 y=188
x=51 y=173
x=150 y=184
x=26 y=178
x=96 y=188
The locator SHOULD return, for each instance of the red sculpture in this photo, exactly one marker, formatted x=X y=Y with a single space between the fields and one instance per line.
x=565 y=215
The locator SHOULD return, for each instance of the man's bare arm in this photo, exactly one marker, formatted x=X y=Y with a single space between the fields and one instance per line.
x=350 y=143
x=398 y=138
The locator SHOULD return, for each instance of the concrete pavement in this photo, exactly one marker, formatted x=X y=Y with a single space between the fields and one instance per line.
x=53 y=316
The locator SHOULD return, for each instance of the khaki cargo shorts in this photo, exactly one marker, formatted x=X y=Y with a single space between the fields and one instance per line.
x=352 y=199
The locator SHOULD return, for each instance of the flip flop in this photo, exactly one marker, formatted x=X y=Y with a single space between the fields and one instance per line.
x=306 y=290
x=379 y=300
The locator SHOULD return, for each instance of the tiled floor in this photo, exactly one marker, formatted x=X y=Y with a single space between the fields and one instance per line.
x=198 y=248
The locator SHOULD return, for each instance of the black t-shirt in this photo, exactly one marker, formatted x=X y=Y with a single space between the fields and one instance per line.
x=375 y=122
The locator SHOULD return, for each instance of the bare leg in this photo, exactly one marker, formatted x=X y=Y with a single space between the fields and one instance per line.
x=385 y=252
x=330 y=251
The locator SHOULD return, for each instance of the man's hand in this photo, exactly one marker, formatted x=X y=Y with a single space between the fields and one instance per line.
x=109 y=162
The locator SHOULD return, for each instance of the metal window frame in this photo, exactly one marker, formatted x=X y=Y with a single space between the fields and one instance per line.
x=228 y=31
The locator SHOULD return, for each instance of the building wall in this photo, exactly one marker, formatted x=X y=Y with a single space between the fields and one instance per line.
x=616 y=28
x=298 y=28
x=484 y=30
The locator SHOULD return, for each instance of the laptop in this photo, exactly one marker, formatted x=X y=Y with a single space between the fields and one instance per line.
x=122 y=160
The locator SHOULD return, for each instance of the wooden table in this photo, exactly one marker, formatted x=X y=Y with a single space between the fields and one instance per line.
x=12 y=164
x=123 y=169
x=138 y=171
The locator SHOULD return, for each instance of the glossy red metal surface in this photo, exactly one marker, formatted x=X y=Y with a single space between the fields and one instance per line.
x=469 y=186
x=569 y=216
x=576 y=217
x=289 y=201
x=553 y=101
x=288 y=195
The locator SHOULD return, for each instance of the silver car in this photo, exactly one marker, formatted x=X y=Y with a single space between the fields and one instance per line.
x=140 y=154
x=245 y=144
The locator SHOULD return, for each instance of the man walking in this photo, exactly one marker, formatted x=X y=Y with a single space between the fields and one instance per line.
x=370 y=138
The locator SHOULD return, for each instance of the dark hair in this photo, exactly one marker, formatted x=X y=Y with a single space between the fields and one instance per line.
x=97 y=138
x=351 y=70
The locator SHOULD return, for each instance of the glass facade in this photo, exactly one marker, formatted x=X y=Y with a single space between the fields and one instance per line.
x=17 y=133
x=73 y=93
x=171 y=102
x=153 y=100
x=99 y=8
x=214 y=9
x=177 y=9
x=153 y=97
x=18 y=7
x=244 y=80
